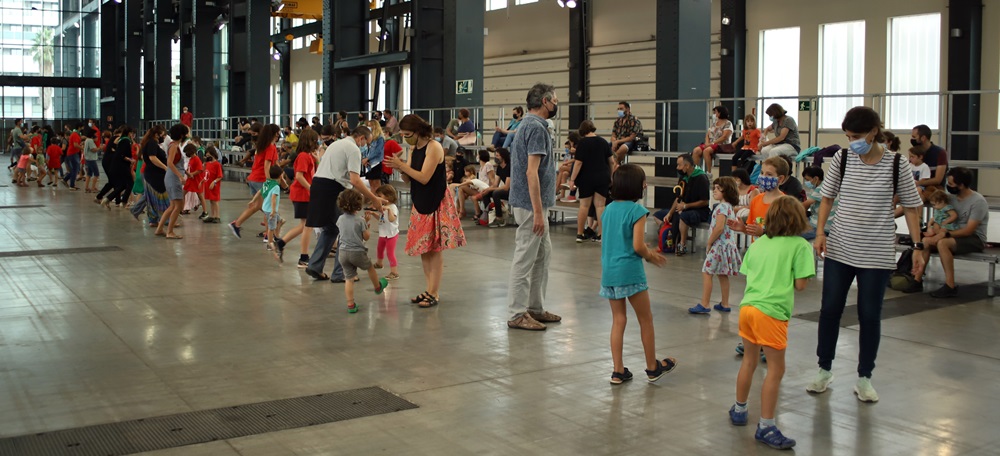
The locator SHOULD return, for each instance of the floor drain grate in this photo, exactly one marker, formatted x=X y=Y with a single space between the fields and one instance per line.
x=24 y=253
x=172 y=431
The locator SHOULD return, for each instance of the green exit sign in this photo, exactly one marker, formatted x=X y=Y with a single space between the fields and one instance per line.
x=319 y=97
x=807 y=105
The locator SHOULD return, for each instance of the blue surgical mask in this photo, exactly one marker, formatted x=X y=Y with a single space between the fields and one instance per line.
x=364 y=149
x=810 y=185
x=621 y=113
x=772 y=118
x=860 y=146
x=438 y=139
x=566 y=150
x=767 y=183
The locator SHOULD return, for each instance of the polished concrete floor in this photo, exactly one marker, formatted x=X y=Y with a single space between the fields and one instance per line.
x=162 y=327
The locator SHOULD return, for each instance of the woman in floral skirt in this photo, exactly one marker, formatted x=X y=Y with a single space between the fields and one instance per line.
x=434 y=223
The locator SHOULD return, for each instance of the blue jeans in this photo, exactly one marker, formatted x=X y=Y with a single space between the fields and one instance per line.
x=324 y=243
x=498 y=139
x=73 y=169
x=15 y=155
x=837 y=278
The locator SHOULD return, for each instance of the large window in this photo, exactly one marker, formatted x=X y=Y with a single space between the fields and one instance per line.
x=841 y=70
x=49 y=38
x=914 y=66
x=493 y=5
x=779 y=71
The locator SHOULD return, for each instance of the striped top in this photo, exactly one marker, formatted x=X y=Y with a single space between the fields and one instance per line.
x=865 y=231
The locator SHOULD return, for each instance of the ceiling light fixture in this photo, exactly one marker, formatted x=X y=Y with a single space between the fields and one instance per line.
x=571 y=3
x=562 y=4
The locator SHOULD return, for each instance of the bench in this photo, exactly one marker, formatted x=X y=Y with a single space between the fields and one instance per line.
x=990 y=256
x=235 y=173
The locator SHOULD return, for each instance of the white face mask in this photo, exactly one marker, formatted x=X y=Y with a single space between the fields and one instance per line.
x=715 y=118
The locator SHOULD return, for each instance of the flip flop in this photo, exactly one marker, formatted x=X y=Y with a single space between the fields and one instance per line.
x=175 y=236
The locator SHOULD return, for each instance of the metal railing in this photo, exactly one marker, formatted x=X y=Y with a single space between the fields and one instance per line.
x=224 y=130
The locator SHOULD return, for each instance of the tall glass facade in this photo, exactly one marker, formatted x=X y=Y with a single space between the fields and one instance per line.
x=49 y=39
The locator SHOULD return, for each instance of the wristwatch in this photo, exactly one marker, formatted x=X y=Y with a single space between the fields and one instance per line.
x=918 y=246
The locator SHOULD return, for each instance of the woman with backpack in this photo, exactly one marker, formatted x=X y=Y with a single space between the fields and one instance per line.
x=861 y=245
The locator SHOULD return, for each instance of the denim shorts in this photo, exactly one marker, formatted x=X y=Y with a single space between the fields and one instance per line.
x=254 y=187
x=624 y=291
x=92 y=169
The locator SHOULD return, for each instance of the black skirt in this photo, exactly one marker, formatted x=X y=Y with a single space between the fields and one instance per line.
x=323 y=211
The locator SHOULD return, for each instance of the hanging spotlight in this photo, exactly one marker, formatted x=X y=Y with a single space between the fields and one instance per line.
x=562 y=4
x=571 y=3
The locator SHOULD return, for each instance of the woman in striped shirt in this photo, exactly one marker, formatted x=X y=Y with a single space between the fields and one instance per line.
x=861 y=243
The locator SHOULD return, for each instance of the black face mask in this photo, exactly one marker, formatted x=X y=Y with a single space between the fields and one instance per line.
x=953 y=190
x=681 y=173
x=555 y=109
x=915 y=142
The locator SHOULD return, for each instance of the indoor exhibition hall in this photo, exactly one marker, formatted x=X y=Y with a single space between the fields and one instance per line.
x=499 y=227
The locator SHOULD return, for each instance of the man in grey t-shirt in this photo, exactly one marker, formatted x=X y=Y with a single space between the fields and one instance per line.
x=17 y=144
x=450 y=145
x=973 y=218
x=532 y=192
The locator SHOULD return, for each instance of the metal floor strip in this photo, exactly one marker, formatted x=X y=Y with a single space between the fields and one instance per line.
x=24 y=253
x=191 y=428
x=22 y=206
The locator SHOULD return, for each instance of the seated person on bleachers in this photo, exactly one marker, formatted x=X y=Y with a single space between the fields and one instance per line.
x=449 y=145
x=945 y=217
x=503 y=136
x=500 y=190
x=716 y=138
x=813 y=177
x=935 y=157
x=747 y=144
x=691 y=207
x=788 y=184
x=469 y=187
x=625 y=131
x=458 y=165
x=973 y=218
x=466 y=132
x=747 y=192
x=566 y=169
x=921 y=170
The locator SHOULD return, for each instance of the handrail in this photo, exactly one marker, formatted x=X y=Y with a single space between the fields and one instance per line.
x=809 y=130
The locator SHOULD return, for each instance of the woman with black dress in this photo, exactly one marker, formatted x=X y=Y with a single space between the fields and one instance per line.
x=155 y=200
x=121 y=167
x=591 y=176
x=434 y=223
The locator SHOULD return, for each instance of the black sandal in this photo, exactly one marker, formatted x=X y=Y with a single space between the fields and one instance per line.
x=618 y=379
x=661 y=369
x=428 y=302
x=420 y=298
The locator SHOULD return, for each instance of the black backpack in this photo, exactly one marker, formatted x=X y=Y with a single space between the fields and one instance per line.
x=895 y=171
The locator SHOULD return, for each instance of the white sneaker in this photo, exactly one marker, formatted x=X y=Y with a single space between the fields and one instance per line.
x=864 y=390
x=822 y=381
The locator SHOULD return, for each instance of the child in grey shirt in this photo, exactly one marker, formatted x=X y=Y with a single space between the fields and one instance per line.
x=353 y=254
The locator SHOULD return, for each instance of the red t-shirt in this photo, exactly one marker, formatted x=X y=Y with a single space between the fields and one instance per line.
x=305 y=164
x=257 y=173
x=213 y=171
x=74 y=143
x=193 y=184
x=54 y=153
x=36 y=142
x=187 y=118
x=391 y=148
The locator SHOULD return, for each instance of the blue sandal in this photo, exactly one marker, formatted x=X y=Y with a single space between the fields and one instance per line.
x=699 y=309
x=720 y=308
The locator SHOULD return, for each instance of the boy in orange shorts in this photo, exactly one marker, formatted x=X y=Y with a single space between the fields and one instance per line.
x=777 y=265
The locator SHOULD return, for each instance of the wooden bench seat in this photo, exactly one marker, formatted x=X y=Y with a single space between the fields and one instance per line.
x=990 y=256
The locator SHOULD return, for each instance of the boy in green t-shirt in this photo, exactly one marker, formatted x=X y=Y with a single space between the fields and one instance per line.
x=777 y=265
x=270 y=193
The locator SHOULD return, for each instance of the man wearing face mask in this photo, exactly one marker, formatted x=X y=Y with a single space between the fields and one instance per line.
x=934 y=156
x=532 y=193
x=973 y=218
x=450 y=145
x=625 y=131
x=690 y=208
x=338 y=169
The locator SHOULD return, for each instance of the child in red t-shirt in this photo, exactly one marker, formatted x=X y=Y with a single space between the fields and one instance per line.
x=195 y=179
x=750 y=140
x=213 y=183
x=54 y=154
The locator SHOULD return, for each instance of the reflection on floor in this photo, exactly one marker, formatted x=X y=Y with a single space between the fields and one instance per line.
x=163 y=327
